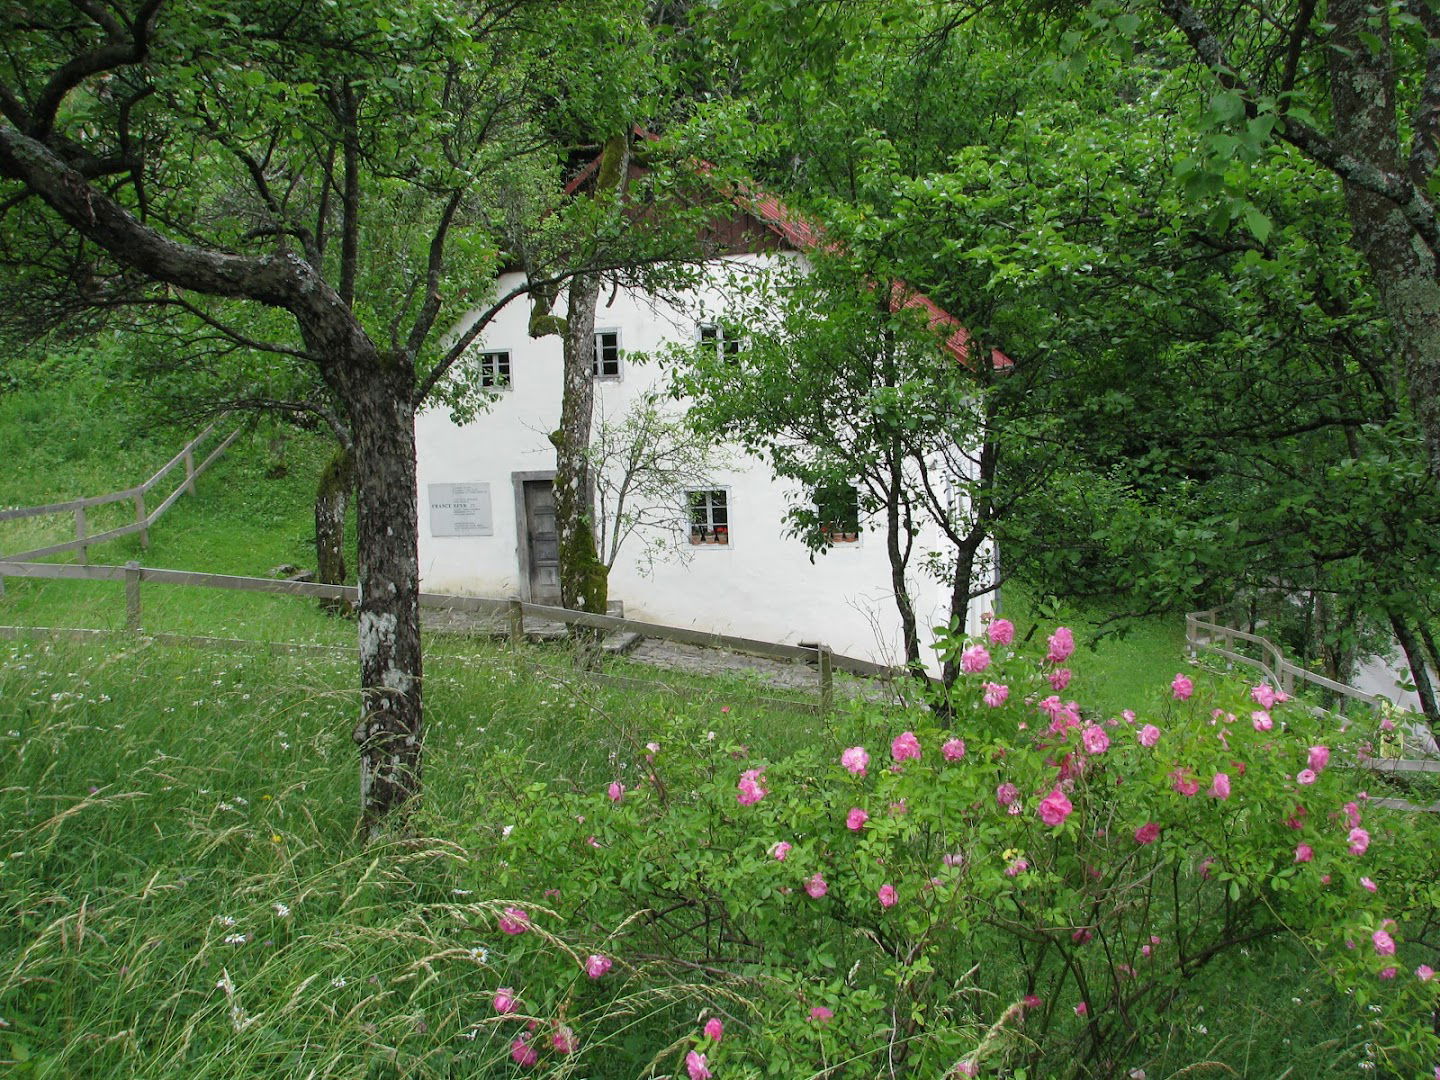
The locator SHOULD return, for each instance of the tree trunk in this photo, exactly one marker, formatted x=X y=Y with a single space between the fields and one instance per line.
x=960 y=581
x=332 y=498
x=377 y=397
x=582 y=573
x=1362 y=95
x=1418 y=671
x=898 y=559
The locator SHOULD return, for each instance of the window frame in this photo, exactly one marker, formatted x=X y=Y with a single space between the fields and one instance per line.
x=843 y=534
x=496 y=380
x=709 y=526
x=726 y=339
x=596 y=363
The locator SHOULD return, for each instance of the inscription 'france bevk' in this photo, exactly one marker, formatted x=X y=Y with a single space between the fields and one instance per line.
x=460 y=510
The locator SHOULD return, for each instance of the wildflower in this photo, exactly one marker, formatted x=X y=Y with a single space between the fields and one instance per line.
x=1128 y=715
x=966 y=1069
x=282 y=911
x=1000 y=632
x=1095 y=740
x=1384 y=943
x=597 y=965
x=1016 y=868
x=236 y=939
x=1297 y=817
x=616 y=791
x=820 y=1014
x=1147 y=833
x=1305 y=776
x=1319 y=757
x=1062 y=644
x=974 y=660
x=1184 y=783
x=653 y=747
x=953 y=750
x=1304 y=853
x=1059 y=679
x=714 y=1030
x=1006 y=794
x=1389 y=972
x=856 y=760
x=779 y=850
x=1264 y=695
x=521 y=1052
x=514 y=921
x=696 y=1066
x=1030 y=1001
x=816 y=886
x=1083 y=936
x=564 y=1040
x=995 y=694
x=855 y=820
x=751 y=786
x=1082 y=1009
x=887 y=896
x=1425 y=973
x=1149 y=735
x=953 y=858
x=1261 y=720
x=905 y=746
x=505 y=1000
x=480 y=954
x=338 y=982
x=1352 y=814
x=1055 y=807
x=1220 y=786
x=1359 y=841
x=1181 y=687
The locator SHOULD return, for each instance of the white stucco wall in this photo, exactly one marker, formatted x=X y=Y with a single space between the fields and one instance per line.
x=762 y=585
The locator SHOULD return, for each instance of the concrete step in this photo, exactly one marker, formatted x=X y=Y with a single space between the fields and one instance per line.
x=620 y=642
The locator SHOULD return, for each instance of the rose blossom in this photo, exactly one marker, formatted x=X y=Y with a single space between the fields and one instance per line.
x=1000 y=632
x=505 y=1000
x=514 y=921
x=1095 y=740
x=1181 y=687
x=1264 y=695
x=714 y=1029
x=1261 y=720
x=1149 y=735
x=597 y=965
x=779 y=850
x=751 y=786
x=856 y=759
x=1220 y=786
x=995 y=694
x=1059 y=679
x=1305 y=776
x=696 y=1066
x=1384 y=943
x=1359 y=841
x=521 y=1051
x=887 y=896
x=1304 y=853
x=1055 y=807
x=1006 y=794
x=616 y=791
x=1147 y=833
x=1319 y=757
x=820 y=1014
x=816 y=886
x=1062 y=644
x=974 y=660
x=905 y=746
x=855 y=820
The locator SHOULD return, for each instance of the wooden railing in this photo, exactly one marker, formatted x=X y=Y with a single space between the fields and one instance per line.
x=512 y=611
x=84 y=539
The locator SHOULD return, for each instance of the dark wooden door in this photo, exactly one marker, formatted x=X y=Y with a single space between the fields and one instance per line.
x=542 y=542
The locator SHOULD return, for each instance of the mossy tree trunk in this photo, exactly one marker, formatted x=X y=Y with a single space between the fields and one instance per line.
x=332 y=501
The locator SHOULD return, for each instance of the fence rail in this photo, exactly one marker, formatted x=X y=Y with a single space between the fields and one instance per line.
x=84 y=539
x=512 y=610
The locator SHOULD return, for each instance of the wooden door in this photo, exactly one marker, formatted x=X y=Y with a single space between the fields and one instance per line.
x=542 y=542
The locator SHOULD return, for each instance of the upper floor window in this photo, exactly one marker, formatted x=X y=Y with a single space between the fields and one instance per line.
x=495 y=370
x=709 y=516
x=727 y=341
x=838 y=508
x=605 y=363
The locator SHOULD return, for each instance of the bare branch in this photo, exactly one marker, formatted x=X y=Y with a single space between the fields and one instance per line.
x=120 y=50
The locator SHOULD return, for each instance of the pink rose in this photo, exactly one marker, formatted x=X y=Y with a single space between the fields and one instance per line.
x=564 y=1040
x=616 y=791
x=953 y=750
x=856 y=760
x=505 y=1000
x=1384 y=943
x=1368 y=885
x=1181 y=687
x=779 y=850
x=1184 y=783
x=905 y=746
x=1425 y=973
x=1264 y=695
x=521 y=1051
x=1261 y=720
x=1095 y=740
x=751 y=787
x=514 y=921
x=1006 y=794
x=1149 y=735
x=1359 y=841
x=1304 y=853
x=1319 y=757
x=1062 y=644
x=1031 y=1001
x=1083 y=1009
x=1055 y=807
x=1147 y=833
x=1389 y=972
x=597 y=965
x=696 y=1066
x=1220 y=786
x=820 y=1014
x=1019 y=866
x=1000 y=632
x=1352 y=814
x=995 y=694
x=816 y=886
x=1059 y=679
x=1305 y=776
x=974 y=660
x=888 y=896
x=714 y=1030
x=855 y=820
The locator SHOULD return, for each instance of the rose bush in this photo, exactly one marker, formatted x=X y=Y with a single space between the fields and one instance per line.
x=1032 y=896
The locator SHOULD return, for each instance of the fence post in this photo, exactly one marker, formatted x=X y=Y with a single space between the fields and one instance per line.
x=517 y=623
x=132 y=595
x=190 y=468
x=827 y=678
x=140 y=519
x=83 y=551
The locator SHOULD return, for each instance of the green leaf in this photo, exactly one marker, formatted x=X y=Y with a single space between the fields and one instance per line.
x=1257 y=223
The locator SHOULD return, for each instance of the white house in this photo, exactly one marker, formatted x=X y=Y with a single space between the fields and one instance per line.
x=486 y=507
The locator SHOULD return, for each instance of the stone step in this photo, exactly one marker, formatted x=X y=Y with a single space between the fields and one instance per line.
x=620 y=642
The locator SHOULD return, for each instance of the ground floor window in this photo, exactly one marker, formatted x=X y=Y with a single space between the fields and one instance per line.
x=838 y=508
x=495 y=370
x=709 y=516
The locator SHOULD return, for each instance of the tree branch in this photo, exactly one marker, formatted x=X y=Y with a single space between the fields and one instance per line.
x=430 y=306
x=120 y=50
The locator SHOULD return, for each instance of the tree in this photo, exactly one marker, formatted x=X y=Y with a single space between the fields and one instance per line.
x=321 y=162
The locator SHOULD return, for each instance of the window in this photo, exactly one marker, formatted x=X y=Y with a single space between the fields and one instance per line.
x=495 y=370
x=709 y=516
x=838 y=509
x=727 y=341
x=605 y=363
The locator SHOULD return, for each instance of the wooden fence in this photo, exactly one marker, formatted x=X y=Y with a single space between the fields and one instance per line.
x=510 y=612
x=84 y=539
x=1204 y=632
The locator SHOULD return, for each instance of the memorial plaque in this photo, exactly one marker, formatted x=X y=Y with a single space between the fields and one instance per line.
x=460 y=510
